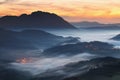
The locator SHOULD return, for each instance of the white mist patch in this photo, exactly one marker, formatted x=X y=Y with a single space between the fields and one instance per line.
x=115 y=43
x=118 y=47
x=87 y=35
x=44 y=64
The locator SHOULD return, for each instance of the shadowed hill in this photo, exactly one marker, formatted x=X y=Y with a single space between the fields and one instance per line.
x=96 y=25
x=17 y=44
x=101 y=68
x=117 y=37
x=95 y=47
x=36 y=19
x=28 y=39
x=106 y=68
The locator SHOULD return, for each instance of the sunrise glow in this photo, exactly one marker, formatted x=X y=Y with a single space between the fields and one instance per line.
x=106 y=11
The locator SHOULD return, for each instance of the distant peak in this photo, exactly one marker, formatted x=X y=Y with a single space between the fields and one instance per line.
x=37 y=12
x=40 y=12
x=90 y=22
x=22 y=15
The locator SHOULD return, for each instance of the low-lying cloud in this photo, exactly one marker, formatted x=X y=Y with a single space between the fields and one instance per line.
x=43 y=64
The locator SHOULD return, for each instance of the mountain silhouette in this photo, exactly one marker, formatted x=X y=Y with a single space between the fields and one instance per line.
x=36 y=19
x=95 y=25
x=87 y=24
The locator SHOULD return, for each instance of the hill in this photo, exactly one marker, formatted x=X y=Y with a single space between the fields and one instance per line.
x=36 y=19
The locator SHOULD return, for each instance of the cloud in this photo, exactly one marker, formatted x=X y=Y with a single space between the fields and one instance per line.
x=42 y=64
x=7 y=1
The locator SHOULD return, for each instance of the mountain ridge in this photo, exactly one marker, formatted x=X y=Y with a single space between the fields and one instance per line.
x=87 y=24
x=37 y=19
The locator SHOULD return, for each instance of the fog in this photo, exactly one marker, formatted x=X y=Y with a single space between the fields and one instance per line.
x=42 y=64
x=87 y=35
x=35 y=64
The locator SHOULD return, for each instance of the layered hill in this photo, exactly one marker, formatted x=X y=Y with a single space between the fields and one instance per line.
x=28 y=39
x=106 y=68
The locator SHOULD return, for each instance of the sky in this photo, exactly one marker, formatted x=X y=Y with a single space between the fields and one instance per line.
x=104 y=11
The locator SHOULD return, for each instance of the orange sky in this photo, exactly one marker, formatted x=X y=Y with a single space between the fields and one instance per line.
x=105 y=11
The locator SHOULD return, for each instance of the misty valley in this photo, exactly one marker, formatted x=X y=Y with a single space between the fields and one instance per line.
x=43 y=46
